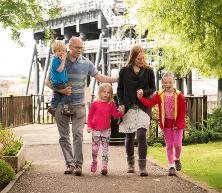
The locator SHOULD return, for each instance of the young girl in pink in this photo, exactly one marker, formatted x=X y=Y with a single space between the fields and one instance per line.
x=99 y=119
x=172 y=111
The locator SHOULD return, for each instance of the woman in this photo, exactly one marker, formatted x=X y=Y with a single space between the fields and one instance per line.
x=134 y=76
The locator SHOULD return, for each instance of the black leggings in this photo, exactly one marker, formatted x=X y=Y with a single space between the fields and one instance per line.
x=142 y=143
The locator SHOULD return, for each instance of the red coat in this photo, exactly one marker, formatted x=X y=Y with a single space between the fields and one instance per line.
x=179 y=107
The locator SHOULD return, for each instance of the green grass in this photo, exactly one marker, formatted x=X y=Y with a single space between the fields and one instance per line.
x=202 y=162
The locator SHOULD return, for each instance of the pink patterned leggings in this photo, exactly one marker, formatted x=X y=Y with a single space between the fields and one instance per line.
x=173 y=140
x=101 y=138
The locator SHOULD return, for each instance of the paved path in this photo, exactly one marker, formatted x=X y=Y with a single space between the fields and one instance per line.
x=46 y=172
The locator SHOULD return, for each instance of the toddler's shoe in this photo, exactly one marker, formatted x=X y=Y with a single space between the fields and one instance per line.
x=178 y=165
x=104 y=171
x=172 y=171
x=93 y=166
x=51 y=110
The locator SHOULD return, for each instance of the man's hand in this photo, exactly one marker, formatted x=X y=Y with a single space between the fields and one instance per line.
x=106 y=79
x=66 y=91
x=139 y=93
x=89 y=129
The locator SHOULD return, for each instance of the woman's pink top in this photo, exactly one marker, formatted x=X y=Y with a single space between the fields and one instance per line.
x=99 y=117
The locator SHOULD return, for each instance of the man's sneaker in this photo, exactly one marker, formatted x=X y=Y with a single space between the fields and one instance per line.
x=104 y=171
x=69 y=169
x=178 y=165
x=172 y=171
x=93 y=166
x=78 y=170
x=51 y=111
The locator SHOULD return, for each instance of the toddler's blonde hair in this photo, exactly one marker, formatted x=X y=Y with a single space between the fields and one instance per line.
x=58 y=44
x=105 y=86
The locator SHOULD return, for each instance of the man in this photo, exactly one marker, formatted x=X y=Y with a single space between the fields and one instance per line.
x=77 y=67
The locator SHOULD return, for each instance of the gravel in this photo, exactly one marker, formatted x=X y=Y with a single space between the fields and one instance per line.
x=46 y=175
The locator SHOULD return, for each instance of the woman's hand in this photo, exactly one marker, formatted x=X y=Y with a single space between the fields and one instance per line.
x=139 y=93
x=121 y=109
x=89 y=129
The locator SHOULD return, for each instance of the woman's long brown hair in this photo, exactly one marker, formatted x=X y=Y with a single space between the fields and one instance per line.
x=134 y=52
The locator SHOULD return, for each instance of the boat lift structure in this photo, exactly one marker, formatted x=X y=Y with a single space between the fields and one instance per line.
x=107 y=40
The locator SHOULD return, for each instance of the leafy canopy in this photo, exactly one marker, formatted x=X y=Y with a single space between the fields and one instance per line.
x=26 y=14
x=189 y=31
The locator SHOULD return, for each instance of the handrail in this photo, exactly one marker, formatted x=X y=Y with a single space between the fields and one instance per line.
x=113 y=45
x=21 y=110
x=80 y=7
x=90 y=5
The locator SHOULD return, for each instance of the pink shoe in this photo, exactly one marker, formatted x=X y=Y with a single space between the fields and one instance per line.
x=104 y=171
x=93 y=166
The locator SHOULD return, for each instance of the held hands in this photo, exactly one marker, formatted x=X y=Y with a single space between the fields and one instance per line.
x=139 y=93
x=121 y=109
x=89 y=129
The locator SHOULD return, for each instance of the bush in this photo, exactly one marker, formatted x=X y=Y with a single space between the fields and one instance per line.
x=157 y=144
x=201 y=136
x=9 y=144
x=7 y=173
x=214 y=120
x=211 y=132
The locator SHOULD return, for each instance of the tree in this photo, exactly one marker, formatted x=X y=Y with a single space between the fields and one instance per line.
x=26 y=14
x=189 y=32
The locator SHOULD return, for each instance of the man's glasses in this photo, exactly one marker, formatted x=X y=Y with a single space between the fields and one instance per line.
x=77 y=47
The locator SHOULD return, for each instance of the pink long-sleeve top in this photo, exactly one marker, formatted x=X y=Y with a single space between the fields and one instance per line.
x=100 y=112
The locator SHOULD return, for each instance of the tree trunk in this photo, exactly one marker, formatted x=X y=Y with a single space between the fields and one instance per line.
x=189 y=84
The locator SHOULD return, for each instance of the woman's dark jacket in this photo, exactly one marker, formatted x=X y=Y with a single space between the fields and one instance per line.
x=129 y=83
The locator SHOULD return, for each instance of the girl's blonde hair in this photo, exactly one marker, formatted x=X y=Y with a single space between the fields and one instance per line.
x=105 y=86
x=134 y=52
x=57 y=45
x=168 y=74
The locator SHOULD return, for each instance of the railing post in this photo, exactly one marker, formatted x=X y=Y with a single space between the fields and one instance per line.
x=30 y=69
x=1 y=112
x=96 y=65
x=11 y=104
x=205 y=109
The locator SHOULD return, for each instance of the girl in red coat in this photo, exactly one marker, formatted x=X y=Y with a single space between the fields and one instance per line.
x=172 y=110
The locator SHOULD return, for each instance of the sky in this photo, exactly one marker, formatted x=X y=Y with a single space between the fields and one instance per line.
x=15 y=59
